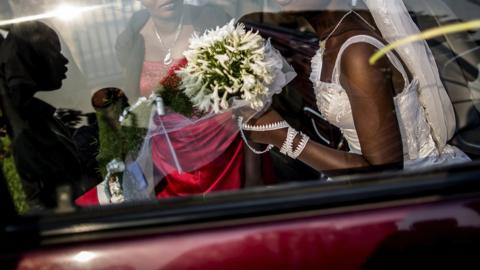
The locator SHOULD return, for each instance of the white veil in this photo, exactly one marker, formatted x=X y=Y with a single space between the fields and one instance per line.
x=394 y=22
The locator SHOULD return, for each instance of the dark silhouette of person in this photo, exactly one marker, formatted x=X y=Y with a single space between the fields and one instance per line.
x=45 y=155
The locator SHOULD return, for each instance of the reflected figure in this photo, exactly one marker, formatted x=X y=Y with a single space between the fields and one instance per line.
x=75 y=87
x=44 y=152
x=156 y=38
x=149 y=49
x=109 y=104
x=104 y=139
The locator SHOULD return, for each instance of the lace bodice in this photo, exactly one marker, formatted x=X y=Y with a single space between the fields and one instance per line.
x=334 y=105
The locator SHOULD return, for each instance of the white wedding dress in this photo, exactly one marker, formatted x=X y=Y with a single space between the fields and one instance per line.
x=419 y=146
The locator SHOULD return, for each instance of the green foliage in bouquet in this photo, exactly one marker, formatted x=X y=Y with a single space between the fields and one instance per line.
x=171 y=93
x=176 y=100
x=173 y=97
x=11 y=176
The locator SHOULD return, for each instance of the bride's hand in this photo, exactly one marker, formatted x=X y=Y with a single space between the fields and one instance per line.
x=275 y=137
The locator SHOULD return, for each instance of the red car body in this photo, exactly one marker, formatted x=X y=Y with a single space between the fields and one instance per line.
x=342 y=240
x=402 y=221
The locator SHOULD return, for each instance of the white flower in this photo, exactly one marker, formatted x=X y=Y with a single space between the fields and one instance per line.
x=248 y=82
x=227 y=62
x=222 y=58
x=216 y=99
x=224 y=102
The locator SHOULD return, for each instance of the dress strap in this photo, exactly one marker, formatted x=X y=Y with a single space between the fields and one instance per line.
x=376 y=43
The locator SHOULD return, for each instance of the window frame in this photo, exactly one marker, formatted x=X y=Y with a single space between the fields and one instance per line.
x=351 y=193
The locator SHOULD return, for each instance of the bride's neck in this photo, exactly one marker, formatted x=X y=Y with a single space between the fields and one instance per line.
x=324 y=22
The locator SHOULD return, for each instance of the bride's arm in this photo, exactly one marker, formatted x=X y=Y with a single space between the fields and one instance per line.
x=315 y=155
x=370 y=90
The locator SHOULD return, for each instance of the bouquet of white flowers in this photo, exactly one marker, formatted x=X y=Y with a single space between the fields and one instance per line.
x=230 y=62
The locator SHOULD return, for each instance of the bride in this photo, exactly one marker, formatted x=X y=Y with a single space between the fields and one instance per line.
x=394 y=114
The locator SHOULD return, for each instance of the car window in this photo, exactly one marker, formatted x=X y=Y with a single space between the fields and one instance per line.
x=119 y=101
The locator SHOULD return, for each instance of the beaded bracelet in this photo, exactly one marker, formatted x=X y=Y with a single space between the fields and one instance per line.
x=287 y=146
x=267 y=127
x=258 y=152
x=300 y=147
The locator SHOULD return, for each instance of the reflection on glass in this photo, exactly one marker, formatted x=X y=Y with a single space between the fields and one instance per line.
x=183 y=153
x=64 y=12
x=122 y=129
x=84 y=256
x=30 y=123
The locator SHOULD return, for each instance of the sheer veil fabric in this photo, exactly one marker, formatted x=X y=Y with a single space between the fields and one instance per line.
x=394 y=22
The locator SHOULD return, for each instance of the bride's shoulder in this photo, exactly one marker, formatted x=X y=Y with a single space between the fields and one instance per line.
x=357 y=53
x=357 y=47
x=356 y=70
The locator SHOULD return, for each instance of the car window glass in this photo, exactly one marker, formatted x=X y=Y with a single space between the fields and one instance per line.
x=119 y=101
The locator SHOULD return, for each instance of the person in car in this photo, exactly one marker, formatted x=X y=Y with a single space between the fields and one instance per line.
x=393 y=114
